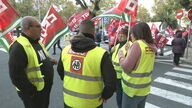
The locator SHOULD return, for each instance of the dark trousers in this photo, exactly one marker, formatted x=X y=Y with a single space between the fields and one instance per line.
x=65 y=106
x=58 y=45
x=39 y=100
x=177 y=58
x=119 y=93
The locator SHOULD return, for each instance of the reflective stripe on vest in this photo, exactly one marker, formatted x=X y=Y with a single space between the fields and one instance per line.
x=33 y=69
x=36 y=79
x=137 y=86
x=81 y=95
x=87 y=78
x=139 y=74
x=116 y=64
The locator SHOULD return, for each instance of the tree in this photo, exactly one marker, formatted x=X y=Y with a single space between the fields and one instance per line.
x=143 y=14
x=97 y=6
x=187 y=4
x=165 y=11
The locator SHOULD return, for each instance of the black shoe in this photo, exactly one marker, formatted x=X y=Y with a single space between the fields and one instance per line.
x=54 y=54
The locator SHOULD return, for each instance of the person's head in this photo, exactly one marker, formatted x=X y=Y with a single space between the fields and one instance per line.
x=31 y=27
x=87 y=26
x=122 y=36
x=178 y=34
x=184 y=29
x=141 y=31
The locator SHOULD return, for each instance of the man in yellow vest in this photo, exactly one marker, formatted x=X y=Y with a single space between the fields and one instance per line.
x=122 y=39
x=137 y=67
x=30 y=68
x=89 y=78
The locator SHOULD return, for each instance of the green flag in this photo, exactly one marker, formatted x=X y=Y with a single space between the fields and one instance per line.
x=126 y=17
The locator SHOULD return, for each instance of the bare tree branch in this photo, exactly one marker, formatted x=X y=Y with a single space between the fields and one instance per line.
x=82 y=4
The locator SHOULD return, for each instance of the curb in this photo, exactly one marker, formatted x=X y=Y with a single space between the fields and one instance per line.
x=183 y=60
x=162 y=57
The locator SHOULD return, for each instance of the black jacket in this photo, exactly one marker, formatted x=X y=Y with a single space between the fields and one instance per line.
x=84 y=43
x=178 y=45
x=18 y=62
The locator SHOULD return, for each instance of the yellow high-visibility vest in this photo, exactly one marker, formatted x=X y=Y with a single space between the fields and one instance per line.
x=33 y=70
x=83 y=82
x=137 y=82
x=115 y=59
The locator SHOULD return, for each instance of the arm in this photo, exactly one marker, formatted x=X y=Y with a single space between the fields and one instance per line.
x=60 y=69
x=17 y=64
x=130 y=62
x=109 y=76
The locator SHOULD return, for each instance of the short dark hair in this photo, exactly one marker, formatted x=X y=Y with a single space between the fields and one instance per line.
x=87 y=26
x=142 y=31
x=179 y=34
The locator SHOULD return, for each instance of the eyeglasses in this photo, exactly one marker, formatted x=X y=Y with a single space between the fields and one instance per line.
x=37 y=26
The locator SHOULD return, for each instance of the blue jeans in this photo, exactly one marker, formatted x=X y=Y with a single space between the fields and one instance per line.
x=119 y=93
x=133 y=102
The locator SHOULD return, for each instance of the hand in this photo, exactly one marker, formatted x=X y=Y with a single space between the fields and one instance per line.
x=103 y=100
x=53 y=61
x=120 y=53
x=127 y=46
x=112 y=49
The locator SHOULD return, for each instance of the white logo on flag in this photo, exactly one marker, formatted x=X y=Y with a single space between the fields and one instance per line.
x=2 y=7
x=49 y=20
x=131 y=5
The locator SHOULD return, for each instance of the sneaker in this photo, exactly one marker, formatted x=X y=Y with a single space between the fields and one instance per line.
x=54 y=54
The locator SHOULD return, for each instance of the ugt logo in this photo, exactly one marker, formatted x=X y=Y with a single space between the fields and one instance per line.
x=3 y=7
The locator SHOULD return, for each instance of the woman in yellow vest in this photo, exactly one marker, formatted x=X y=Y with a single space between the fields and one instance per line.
x=122 y=38
x=137 y=67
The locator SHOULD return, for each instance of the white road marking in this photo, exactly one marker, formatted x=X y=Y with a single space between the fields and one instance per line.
x=175 y=83
x=178 y=75
x=186 y=100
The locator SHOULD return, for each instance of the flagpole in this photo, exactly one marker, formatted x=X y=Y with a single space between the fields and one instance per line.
x=128 y=32
x=39 y=10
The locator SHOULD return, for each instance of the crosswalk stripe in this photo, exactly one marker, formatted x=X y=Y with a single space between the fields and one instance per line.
x=178 y=75
x=149 y=105
x=175 y=83
x=2 y=49
x=186 y=100
x=183 y=69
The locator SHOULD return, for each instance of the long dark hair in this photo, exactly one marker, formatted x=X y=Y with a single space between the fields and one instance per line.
x=142 y=31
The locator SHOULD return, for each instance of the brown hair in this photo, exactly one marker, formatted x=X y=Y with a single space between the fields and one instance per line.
x=142 y=31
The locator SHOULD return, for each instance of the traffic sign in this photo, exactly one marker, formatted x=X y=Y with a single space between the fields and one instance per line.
x=179 y=14
x=106 y=20
x=190 y=14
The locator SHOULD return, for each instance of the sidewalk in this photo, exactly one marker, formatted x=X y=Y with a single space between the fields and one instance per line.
x=188 y=56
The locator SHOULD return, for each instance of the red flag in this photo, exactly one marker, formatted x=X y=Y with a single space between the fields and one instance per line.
x=53 y=28
x=8 y=15
x=130 y=7
x=9 y=19
x=154 y=30
x=161 y=41
x=76 y=19
x=170 y=31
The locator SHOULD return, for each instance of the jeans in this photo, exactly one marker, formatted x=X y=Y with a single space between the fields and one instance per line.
x=133 y=102
x=119 y=93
